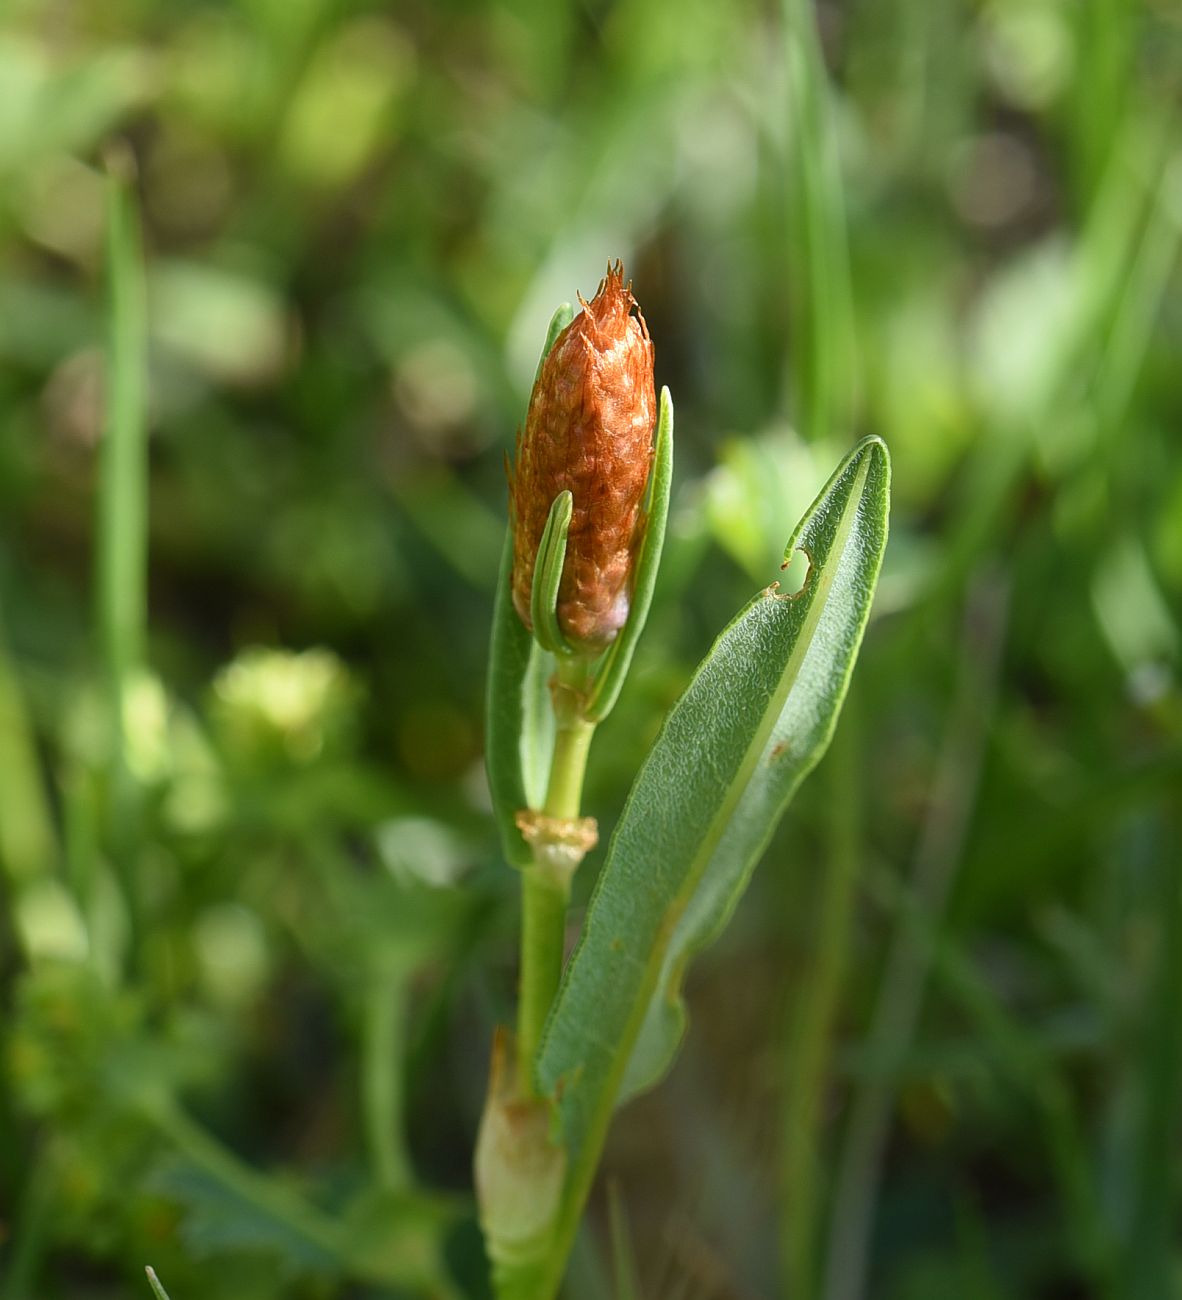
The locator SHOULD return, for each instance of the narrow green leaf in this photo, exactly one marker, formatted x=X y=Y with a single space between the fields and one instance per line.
x=624 y=1269
x=27 y=847
x=504 y=721
x=537 y=726
x=825 y=365
x=754 y=720
x=517 y=743
x=123 y=498
x=121 y=544
x=619 y=658
x=543 y=604
x=154 y=1282
x=563 y=315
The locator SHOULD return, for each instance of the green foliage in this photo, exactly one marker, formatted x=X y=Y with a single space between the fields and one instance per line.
x=516 y=691
x=548 y=576
x=754 y=720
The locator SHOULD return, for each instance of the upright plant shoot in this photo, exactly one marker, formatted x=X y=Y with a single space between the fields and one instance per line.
x=589 y=432
x=589 y=500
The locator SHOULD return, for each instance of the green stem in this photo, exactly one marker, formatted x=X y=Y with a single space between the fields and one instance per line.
x=543 y=931
x=381 y=1081
x=564 y=794
x=545 y=885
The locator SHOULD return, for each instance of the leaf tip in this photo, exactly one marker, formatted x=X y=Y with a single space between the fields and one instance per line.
x=873 y=445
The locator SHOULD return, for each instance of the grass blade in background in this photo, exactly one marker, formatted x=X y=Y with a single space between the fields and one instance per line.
x=123 y=503
x=823 y=349
x=154 y=1282
x=815 y=1009
x=27 y=843
x=1150 y=1263
x=903 y=981
x=755 y=719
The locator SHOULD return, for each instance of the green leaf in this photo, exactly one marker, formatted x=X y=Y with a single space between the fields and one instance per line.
x=618 y=659
x=563 y=315
x=537 y=726
x=754 y=720
x=154 y=1282
x=508 y=661
x=543 y=605
x=217 y=1219
x=514 y=725
x=123 y=496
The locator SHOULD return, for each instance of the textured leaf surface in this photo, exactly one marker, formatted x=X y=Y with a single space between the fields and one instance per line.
x=754 y=720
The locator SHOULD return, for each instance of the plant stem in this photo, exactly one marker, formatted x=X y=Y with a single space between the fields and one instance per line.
x=543 y=927
x=381 y=1083
x=564 y=794
x=545 y=885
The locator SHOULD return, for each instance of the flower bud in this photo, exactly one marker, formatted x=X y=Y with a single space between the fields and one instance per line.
x=589 y=429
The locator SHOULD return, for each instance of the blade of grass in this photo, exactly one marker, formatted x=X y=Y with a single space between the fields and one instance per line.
x=1145 y=286
x=31 y=1229
x=627 y=1284
x=383 y=1041
x=811 y=1033
x=154 y=1282
x=123 y=505
x=902 y=987
x=27 y=842
x=1099 y=98
x=1150 y=1262
x=1028 y=1061
x=1107 y=246
x=823 y=345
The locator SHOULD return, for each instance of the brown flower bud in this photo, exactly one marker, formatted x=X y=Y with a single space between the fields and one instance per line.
x=589 y=428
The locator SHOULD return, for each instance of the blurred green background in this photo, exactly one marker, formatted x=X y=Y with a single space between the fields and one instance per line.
x=255 y=936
